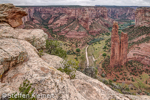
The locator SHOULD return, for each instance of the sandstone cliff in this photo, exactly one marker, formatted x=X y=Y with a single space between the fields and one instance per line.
x=18 y=54
x=142 y=17
x=121 y=13
x=72 y=22
x=118 y=47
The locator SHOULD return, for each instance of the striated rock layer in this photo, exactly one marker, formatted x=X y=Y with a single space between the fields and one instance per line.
x=11 y=14
x=118 y=47
x=121 y=13
x=72 y=22
x=142 y=17
x=42 y=73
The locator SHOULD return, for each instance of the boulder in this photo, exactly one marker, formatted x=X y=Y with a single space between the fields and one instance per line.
x=11 y=14
x=36 y=37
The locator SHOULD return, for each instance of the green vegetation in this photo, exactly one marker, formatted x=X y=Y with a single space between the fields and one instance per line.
x=143 y=40
x=104 y=55
x=69 y=67
x=40 y=53
x=95 y=40
x=53 y=47
x=77 y=50
x=26 y=92
x=134 y=32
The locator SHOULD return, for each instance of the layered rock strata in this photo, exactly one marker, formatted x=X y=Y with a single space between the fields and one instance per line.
x=142 y=17
x=44 y=76
x=118 y=47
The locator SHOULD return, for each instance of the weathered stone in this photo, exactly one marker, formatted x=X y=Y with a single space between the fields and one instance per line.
x=118 y=47
x=50 y=59
x=123 y=48
x=11 y=53
x=115 y=46
x=11 y=14
x=36 y=37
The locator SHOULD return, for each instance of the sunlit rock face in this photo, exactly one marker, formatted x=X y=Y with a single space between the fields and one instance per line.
x=142 y=17
x=11 y=14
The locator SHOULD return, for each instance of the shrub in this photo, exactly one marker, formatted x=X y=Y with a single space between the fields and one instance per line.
x=26 y=92
x=53 y=48
x=110 y=81
x=77 y=50
x=105 y=82
x=104 y=55
x=114 y=79
x=40 y=53
x=103 y=75
x=69 y=67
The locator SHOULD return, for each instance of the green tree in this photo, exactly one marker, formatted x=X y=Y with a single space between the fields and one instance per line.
x=104 y=55
x=78 y=50
x=53 y=47
x=69 y=67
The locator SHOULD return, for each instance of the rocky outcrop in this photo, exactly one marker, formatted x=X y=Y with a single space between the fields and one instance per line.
x=115 y=46
x=25 y=63
x=118 y=47
x=123 y=48
x=11 y=14
x=142 y=17
x=36 y=37
x=11 y=53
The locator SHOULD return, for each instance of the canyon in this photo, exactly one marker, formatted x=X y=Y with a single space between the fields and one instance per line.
x=20 y=60
x=139 y=51
x=74 y=22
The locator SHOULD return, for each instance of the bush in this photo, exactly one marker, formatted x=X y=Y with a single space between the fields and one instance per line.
x=104 y=55
x=40 y=53
x=114 y=79
x=110 y=81
x=53 y=48
x=77 y=50
x=103 y=75
x=69 y=67
x=26 y=92
x=105 y=82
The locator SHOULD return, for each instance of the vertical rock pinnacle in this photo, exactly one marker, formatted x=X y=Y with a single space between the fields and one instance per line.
x=118 y=47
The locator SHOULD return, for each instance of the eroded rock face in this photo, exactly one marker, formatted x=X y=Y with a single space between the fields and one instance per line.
x=11 y=53
x=118 y=47
x=121 y=13
x=11 y=14
x=36 y=37
x=115 y=46
x=123 y=48
x=140 y=53
x=72 y=22
x=142 y=17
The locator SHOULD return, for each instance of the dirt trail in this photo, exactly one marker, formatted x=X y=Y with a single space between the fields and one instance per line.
x=87 y=59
